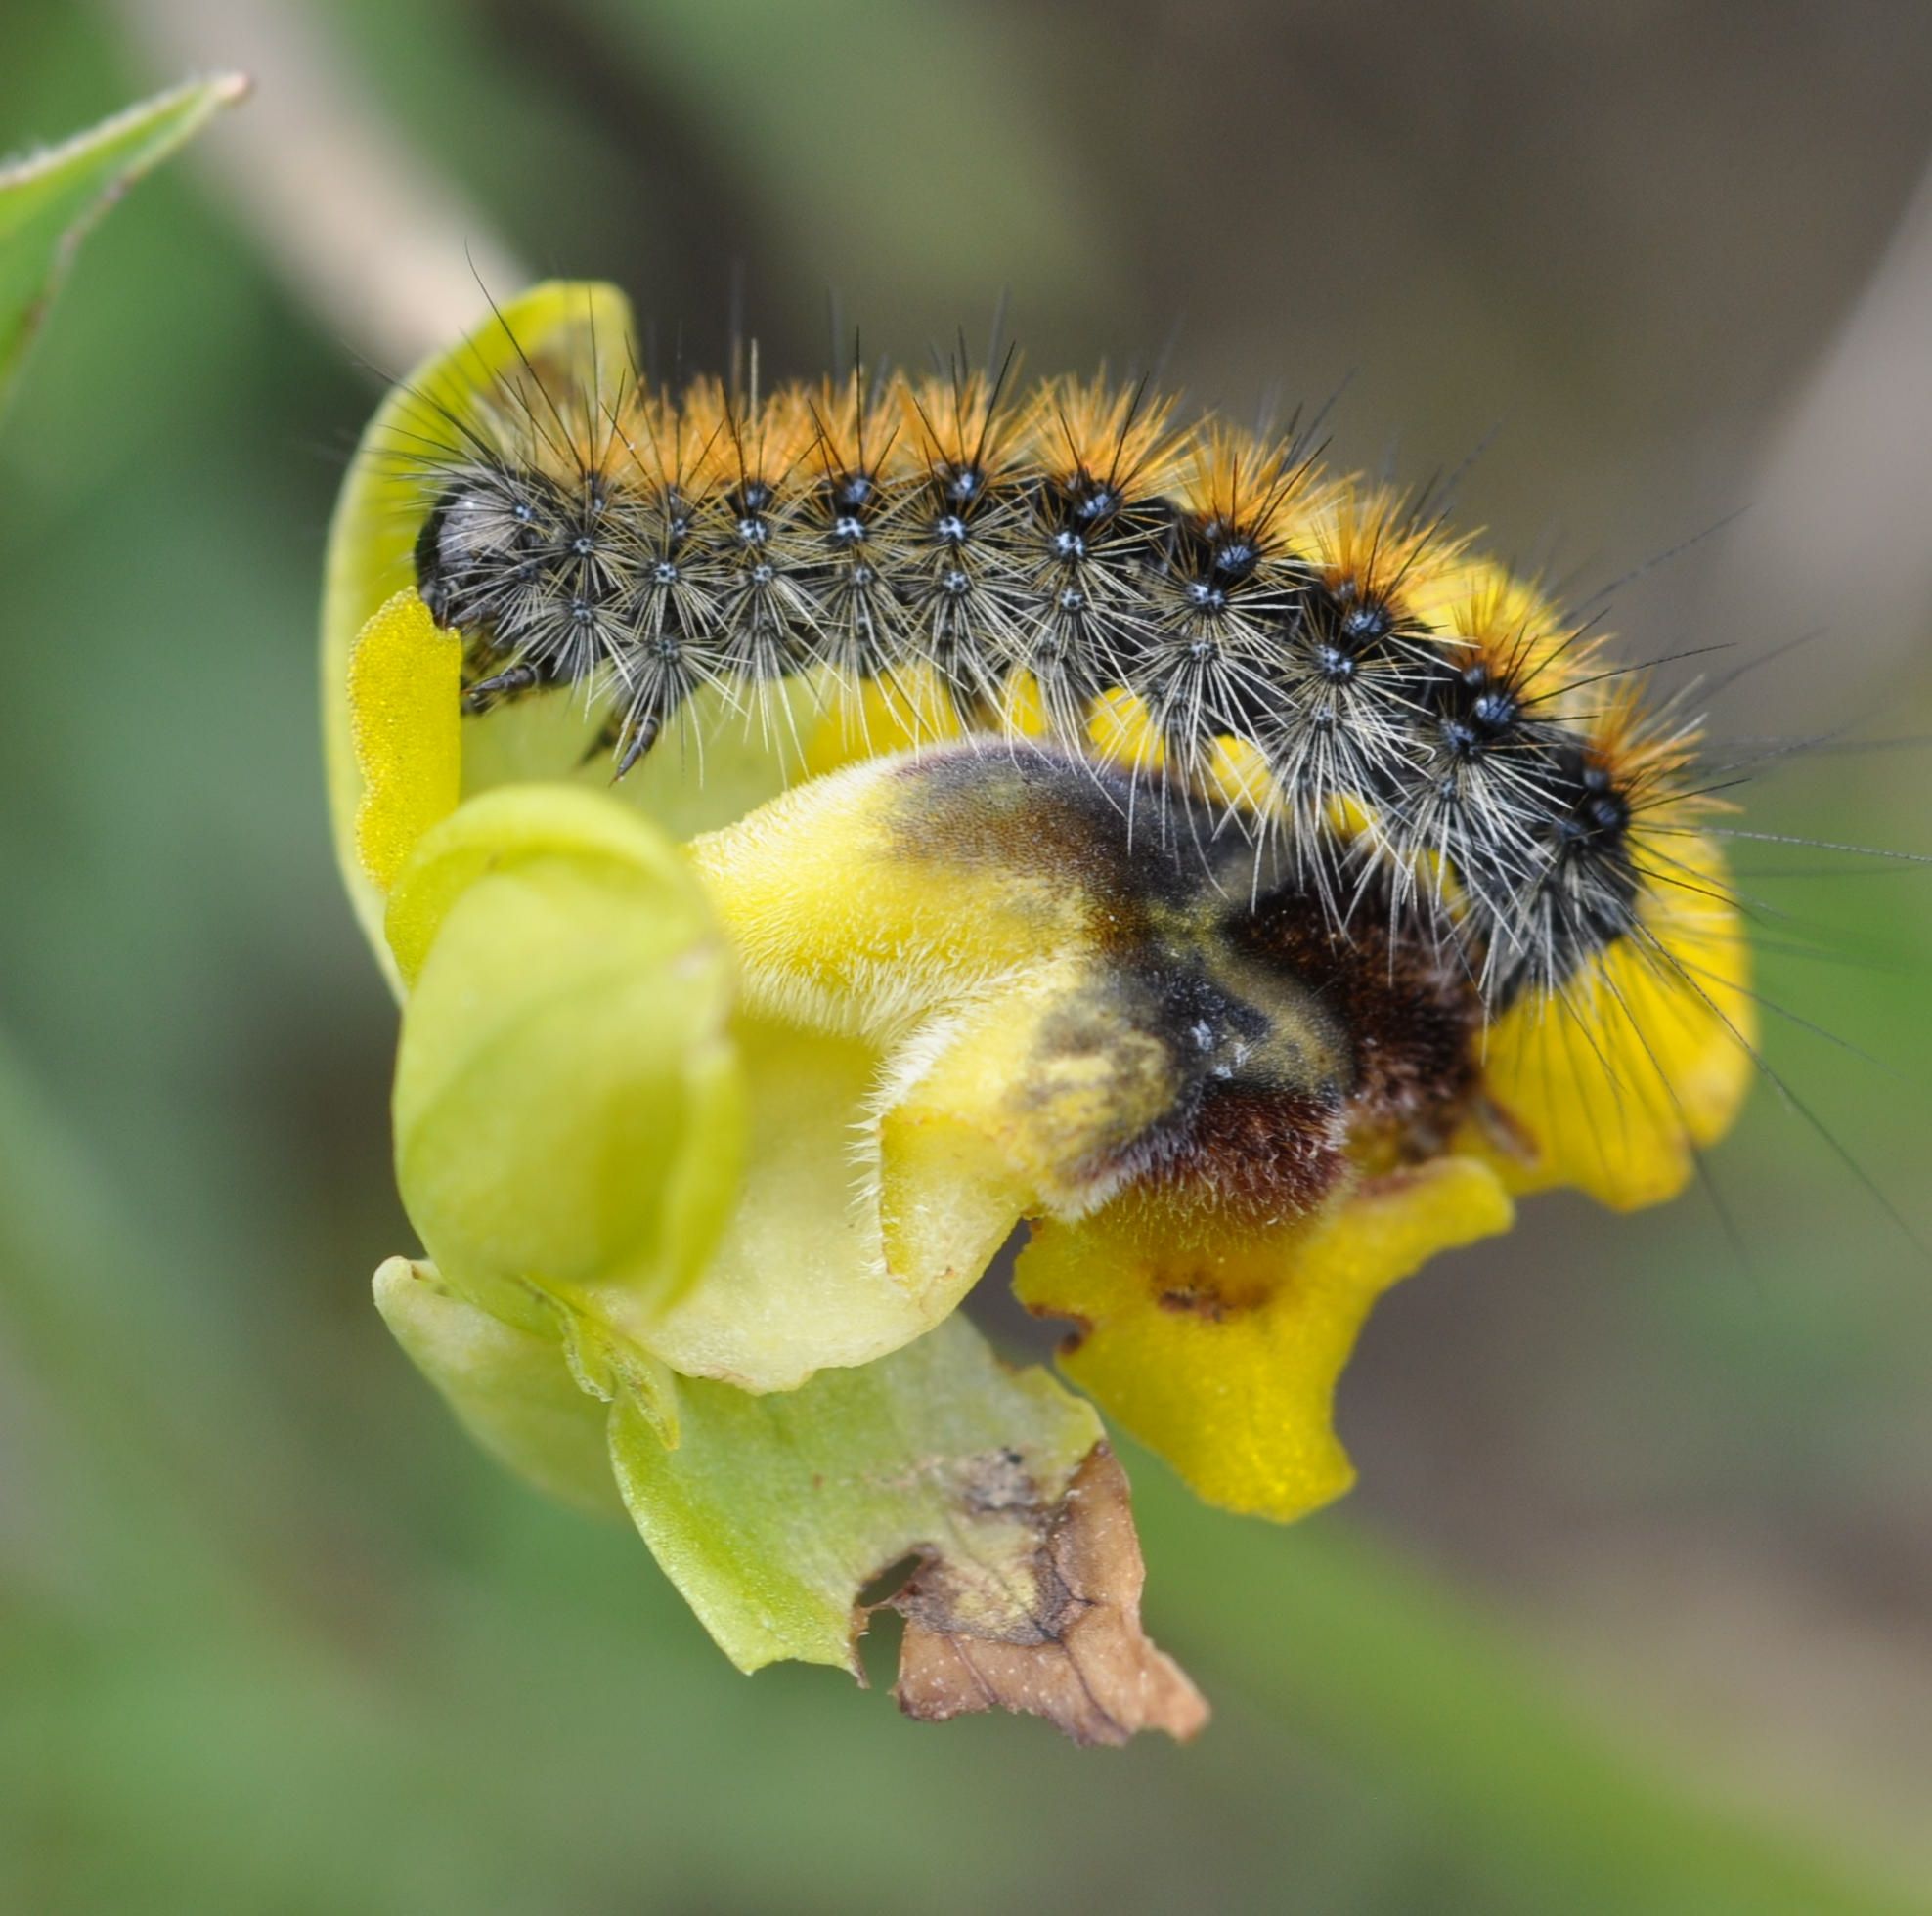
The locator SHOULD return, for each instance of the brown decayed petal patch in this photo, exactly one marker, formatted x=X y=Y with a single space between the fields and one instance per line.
x=1059 y=1634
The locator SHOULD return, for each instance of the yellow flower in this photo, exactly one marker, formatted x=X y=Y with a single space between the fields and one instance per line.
x=719 y=1093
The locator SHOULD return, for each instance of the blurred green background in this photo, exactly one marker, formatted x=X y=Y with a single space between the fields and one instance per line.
x=1631 y=1611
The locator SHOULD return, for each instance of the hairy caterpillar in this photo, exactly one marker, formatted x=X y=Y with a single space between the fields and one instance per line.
x=1324 y=660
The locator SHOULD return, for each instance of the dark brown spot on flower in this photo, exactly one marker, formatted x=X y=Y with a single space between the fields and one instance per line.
x=1213 y=1295
x=1079 y=1329
x=1277 y=1040
x=1410 y=1012
x=999 y=1480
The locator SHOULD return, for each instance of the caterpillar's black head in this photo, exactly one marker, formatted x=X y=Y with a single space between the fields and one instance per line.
x=488 y=539
x=1586 y=890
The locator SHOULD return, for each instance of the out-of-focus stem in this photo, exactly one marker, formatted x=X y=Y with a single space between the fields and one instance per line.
x=1833 y=537
x=363 y=228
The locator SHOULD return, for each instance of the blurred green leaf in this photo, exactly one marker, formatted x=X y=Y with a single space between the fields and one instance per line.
x=48 y=200
x=1409 y=1679
x=936 y=82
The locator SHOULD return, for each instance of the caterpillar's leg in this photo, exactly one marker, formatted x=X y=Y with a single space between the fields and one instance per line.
x=603 y=740
x=643 y=735
x=509 y=683
x=636 y=730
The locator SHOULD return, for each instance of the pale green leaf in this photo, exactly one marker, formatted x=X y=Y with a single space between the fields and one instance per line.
x=773 y=1512
x=49 y=199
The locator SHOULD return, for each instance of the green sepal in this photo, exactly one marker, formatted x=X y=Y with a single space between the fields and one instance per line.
x=774 y=1512
x=509 y=1388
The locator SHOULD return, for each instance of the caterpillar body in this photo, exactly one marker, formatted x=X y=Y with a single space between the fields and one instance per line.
x=1309 y=659
x=1119 y=838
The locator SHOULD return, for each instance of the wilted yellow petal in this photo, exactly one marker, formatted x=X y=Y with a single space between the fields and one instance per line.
x=1218 y=1342
x=774 y=1511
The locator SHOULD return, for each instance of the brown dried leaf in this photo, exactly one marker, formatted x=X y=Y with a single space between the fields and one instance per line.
x=1056 y=1633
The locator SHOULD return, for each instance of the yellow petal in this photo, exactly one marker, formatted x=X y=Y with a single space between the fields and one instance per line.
x=1218 y=1342
x=1032 y=1093
x=1122 y=728
x=1614 y=1087
x=862 y=899
x=532 y=927
x=879 y=1184
x=887 y=713
x=405 y=727
x=1238 y=775
x=800 y=1278
x=516 y=825
x=932 y=1054
x=975 y=993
